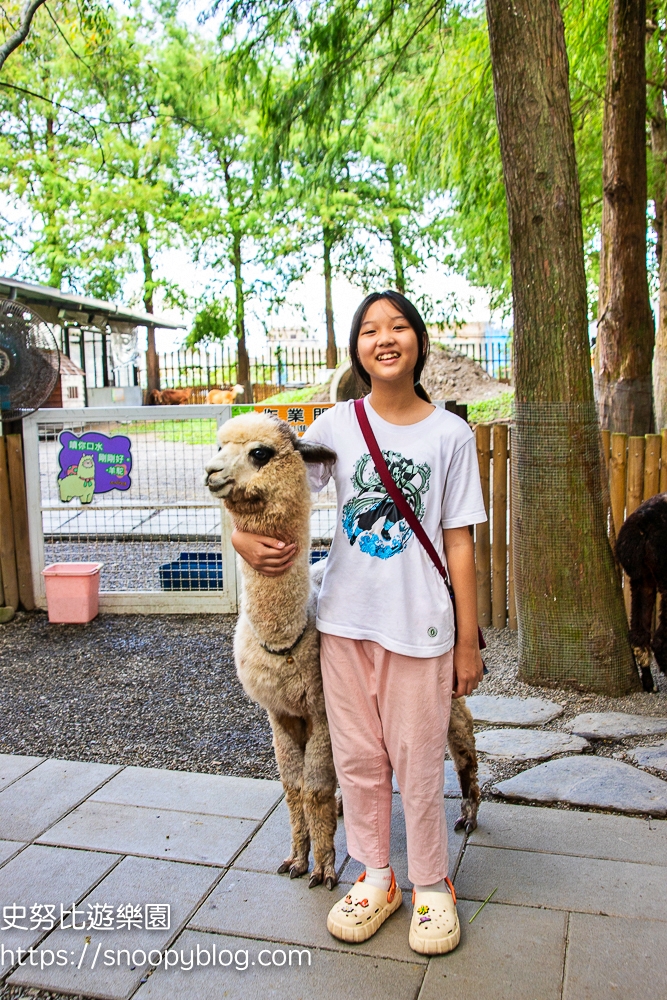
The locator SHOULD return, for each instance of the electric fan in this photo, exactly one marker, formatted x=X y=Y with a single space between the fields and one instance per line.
x=29 y=360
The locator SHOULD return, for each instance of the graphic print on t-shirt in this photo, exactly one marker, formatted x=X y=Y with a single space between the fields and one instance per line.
x=371 y=516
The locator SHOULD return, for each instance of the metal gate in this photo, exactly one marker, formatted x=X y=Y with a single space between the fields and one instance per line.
x=163 y=540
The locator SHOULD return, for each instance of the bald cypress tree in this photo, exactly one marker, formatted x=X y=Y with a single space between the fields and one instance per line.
x=572 y=625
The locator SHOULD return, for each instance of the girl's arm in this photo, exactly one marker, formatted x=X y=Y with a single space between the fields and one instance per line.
x=266 y=555
x=460 y=555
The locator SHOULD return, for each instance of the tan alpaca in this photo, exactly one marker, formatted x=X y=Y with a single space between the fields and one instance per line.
x=260 y=474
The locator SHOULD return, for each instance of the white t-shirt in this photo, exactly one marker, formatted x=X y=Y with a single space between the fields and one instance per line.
x=379 y=582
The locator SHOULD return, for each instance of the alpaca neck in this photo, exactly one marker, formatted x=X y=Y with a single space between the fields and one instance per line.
x=277 y=606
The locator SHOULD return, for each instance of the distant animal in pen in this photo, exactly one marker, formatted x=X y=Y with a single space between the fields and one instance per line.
x=260 y=473
x=641 y=549
x=169 y=397
x=222 y=396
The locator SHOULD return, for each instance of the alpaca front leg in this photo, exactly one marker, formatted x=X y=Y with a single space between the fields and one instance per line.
x=320 y=804
x=289 y=738
x=461 y=743
x=660 y=638
x=641 y=619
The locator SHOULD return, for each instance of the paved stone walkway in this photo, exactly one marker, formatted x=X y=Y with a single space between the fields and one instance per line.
x=579 y=910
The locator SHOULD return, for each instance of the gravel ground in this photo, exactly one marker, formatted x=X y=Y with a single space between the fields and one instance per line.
x=131 y=689
x=162 y=692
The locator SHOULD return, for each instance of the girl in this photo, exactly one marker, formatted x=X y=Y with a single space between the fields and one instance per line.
x=391 y=660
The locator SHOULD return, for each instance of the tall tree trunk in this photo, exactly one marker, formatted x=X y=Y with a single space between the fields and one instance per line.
x=395 y=233
x=659 y=151
x=243 y=368
x=51 y=227
x=152 y=360
x=624 y=349
x=572 y=624
x=332 y=354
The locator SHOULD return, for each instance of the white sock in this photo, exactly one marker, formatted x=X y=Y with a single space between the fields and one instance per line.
x=379 y=877
x=440 y=886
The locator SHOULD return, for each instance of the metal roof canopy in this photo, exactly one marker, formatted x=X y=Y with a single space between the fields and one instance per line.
x=77 y=309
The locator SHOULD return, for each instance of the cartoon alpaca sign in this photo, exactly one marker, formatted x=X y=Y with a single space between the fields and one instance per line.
x=92 y=463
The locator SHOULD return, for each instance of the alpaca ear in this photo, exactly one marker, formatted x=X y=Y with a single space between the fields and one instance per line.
x=314 y=454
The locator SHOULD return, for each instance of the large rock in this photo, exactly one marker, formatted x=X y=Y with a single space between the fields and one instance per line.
x=512 y=711
x=596 y=782
x=615 y=725
x=651 y=756
x=527 y=744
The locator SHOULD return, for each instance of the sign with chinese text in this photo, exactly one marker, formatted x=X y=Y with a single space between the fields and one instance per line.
x=298 y=415
x=92 y=463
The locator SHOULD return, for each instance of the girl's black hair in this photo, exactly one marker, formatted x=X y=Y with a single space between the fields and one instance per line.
x=406 y=309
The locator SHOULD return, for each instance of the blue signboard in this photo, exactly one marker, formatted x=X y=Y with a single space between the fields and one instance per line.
x=92 y=463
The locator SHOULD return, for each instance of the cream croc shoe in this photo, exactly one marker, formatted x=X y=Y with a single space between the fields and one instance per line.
x=435 y=927
x=362 y=912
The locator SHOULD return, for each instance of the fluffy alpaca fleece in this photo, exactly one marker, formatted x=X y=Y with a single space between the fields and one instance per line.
x=260 y=474
x=461 y=745
x=641 y=549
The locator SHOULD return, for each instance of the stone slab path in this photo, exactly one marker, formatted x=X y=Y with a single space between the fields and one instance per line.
x=615 y=725
x=579 y=909
x=527 y=744
x=655 y=756
x=596 y=782
x=501 y=711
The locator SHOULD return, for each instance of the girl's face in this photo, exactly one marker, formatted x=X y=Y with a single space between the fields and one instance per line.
x=387 y=345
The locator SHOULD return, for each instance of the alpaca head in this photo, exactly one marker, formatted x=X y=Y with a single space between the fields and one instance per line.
x=86 y=467
x=260 y=462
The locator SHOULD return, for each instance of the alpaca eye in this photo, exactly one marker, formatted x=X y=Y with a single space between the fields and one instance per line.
x=260 y=456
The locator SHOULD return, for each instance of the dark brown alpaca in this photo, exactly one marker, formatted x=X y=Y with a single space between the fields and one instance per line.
x=641 y=549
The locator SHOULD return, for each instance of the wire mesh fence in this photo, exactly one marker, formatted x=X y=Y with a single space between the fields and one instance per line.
x=159 y=514
x=129 y=493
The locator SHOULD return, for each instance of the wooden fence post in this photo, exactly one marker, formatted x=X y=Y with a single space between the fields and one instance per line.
x=652 y=465
x=606 y=448
x=20 y=516
x=663 y=470
x=635 y=491
x=482 y=531
x=499 y=542
x=511 y=600
x=618 y=478
x=7 y=551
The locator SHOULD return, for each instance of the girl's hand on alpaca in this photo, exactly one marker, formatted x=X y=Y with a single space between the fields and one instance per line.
x=268 y=556
x=468 y=670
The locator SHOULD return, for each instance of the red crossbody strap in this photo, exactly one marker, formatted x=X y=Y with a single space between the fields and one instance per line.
x=404 y=508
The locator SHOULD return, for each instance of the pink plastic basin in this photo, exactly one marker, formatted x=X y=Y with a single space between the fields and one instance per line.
x=72 y=591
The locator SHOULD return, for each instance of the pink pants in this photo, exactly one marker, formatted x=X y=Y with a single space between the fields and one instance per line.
x=387 y=711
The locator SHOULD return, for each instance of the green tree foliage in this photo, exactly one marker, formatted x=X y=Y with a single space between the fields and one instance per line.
x=89 y=148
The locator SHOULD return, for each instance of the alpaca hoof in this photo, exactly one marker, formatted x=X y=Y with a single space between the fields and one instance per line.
x=331 y=881
x=471 y=825
x=460 y=823
x=315 y=879
x=297 y=870
x=285 y=866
